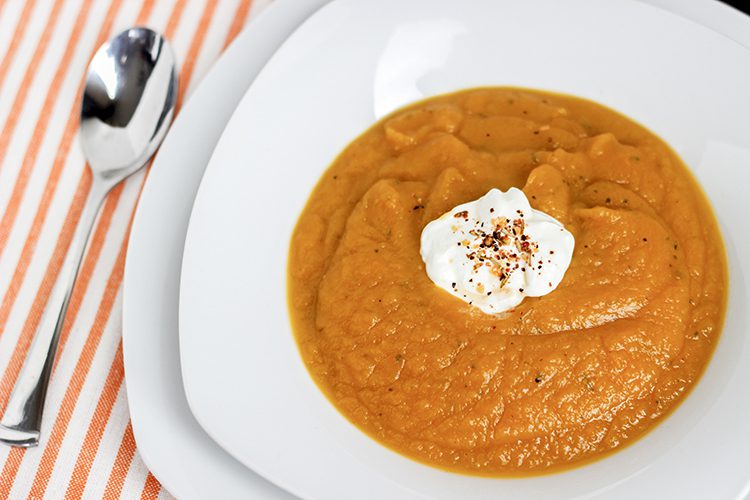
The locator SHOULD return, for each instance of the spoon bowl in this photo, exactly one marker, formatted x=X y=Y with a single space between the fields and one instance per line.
x=128 y=102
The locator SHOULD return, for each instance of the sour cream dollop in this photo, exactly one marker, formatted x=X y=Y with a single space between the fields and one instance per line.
x=494 y=251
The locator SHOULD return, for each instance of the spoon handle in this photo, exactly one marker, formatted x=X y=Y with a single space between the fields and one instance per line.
x=22 y=419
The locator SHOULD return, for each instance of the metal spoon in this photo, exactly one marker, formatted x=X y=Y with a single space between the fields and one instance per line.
x=128 y=104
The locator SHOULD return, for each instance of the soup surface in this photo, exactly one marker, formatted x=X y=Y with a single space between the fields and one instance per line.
x=560 y=379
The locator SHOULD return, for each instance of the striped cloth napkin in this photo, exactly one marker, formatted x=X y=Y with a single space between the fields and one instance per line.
x=87 y=447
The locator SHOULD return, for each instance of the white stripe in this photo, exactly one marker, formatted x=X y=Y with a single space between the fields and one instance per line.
x=212 y=43
x=160 y=15
x=104 y=462
x=135 y=479
x=185 y=32
x=164 y=495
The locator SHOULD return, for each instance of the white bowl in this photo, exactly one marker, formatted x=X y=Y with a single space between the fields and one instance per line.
x=350 y=64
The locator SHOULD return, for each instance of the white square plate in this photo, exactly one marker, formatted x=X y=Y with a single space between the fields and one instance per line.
x=353 y=62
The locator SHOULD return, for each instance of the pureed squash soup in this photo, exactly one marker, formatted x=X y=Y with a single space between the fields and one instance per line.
x=556 y=381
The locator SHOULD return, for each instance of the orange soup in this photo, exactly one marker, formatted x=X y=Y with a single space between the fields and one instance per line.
x=560 y=379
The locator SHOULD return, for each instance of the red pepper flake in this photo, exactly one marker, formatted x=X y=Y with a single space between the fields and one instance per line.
x=495 y=249
x=461 y=215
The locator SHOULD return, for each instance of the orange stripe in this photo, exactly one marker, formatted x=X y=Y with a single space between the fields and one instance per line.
x=7 y=476
x=174 y=19
x=239 y=20
x=90 y=445
x=200 y=34
x=40 y=129
x=75 y=385
x=10 y=54
x=145 y=12
x=151 y=488
x=16 y=109
x=124 y=458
